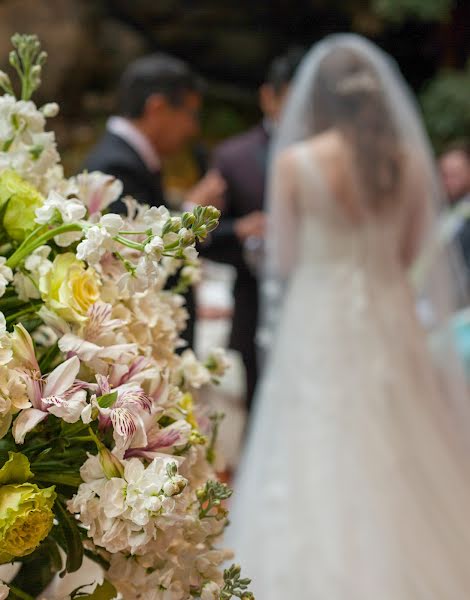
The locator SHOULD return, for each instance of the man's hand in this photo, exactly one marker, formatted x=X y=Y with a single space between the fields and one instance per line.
x=208 y=191
x=252 y=225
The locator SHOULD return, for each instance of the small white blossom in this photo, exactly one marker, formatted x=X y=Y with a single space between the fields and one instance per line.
x=210 y=591
x=154 y=218
x=192 y=371
x=217 y=362
x=155 y=246
x=51 y=109
x=70 y=209
x=190 y=253
x=96 y=243
x=6 y=275
x=112 y=223
x=191 y=274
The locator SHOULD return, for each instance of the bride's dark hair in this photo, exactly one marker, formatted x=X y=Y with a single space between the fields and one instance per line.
x=348 y=96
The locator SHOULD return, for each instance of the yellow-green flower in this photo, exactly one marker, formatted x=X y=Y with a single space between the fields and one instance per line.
x=24 y=199
x=25 y=518
x=69 y=288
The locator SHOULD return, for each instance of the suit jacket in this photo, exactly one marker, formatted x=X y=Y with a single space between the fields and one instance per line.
x=241 y=161
x=114 y=156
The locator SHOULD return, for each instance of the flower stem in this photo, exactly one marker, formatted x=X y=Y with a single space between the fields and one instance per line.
x=29 y=246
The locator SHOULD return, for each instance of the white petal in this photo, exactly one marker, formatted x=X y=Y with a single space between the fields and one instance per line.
x=25 y=422
x=62 y=377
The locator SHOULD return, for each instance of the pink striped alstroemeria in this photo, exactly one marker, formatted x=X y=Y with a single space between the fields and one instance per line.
x=58 y=394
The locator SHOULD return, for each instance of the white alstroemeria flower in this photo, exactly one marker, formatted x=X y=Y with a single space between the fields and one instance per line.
x=70 y=209
x=112 y=223
x=57 y=394
x=52 y=320
x=6 y=275
x=13 y=397
x=155 y=247
x=97 y=190
x=95 y=343
x=126 y=415
x=161 y=439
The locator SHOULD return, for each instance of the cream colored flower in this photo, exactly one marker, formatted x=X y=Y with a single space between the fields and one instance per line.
x=69 y=288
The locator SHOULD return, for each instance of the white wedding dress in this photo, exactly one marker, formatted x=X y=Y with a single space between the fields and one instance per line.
x=354 y=485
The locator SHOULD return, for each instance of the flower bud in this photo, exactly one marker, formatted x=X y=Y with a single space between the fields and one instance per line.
x=51 y=109
x=111 y=465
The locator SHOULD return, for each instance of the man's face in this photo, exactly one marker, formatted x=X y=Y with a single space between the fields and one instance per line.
x=455 y=172
x=172 y=126
x=272 y=101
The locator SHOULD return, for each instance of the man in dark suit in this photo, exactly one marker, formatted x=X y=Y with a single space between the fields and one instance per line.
x=242 y=162
x=159 y=99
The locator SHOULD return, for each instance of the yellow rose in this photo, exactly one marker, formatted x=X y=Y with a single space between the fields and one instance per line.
x=23 y=200
x=69 y=288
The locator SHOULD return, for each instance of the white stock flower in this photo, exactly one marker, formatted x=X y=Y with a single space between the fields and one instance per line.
x=38 y=264
x=155 y=246
x=112 y=223
x=154 y=218
x=192 y=274
x=210 y=591
x=126 y=514
x=70 y=209
x=25 y=287
x=217 y=362
x=190 y=253
x=192 y=371
x=6 y=275
x=96 y=243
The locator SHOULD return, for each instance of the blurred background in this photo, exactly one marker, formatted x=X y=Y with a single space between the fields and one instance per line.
x=231 y=43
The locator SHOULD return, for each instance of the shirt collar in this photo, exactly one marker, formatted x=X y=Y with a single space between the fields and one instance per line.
x=127 y=131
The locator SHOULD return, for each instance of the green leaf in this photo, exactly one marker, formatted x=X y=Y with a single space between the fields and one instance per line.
x=71 y=479
x=107 y=400
x=16 y=469
x=71 y=535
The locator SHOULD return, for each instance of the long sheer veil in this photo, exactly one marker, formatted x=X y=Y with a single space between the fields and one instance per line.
x=334 y=81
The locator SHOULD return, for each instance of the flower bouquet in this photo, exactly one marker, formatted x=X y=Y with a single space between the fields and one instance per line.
x=104 y=452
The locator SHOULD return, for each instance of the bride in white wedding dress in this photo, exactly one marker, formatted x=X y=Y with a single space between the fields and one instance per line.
x=355 y=484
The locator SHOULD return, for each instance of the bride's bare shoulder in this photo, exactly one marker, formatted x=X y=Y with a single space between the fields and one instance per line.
x=325 y=146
